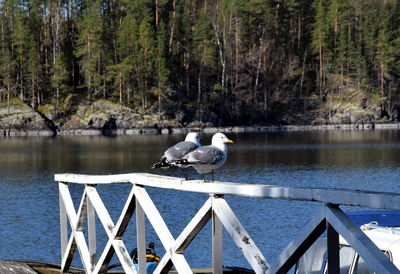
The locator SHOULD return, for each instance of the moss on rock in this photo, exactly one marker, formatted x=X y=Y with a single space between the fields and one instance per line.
x=16 y=116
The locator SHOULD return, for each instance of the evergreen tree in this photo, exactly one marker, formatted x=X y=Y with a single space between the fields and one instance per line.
x=160 y=64
x=128 y=47
x=320 y=40
x=205 y=55
x=89 y=47
x=5 y=54
x=20 y=42
x=145 y=60
x=33 y=62
x=384 y=49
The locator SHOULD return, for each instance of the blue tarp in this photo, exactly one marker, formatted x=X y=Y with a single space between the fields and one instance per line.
x=383 y=217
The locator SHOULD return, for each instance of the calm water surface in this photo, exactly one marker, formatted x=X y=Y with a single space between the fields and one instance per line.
x=29 y=224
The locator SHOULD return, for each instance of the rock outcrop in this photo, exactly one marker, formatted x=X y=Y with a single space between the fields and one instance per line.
x=108 y=118
x=349 y=106
x=18 y=119
x=348 y=109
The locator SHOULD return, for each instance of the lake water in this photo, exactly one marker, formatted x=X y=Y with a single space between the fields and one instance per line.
x=29 y=213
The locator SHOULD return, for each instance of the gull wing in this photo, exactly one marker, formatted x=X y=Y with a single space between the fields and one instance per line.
x=205 y=155
x=179 y=150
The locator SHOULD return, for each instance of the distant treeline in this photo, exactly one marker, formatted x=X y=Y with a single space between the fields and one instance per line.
x=224 y=61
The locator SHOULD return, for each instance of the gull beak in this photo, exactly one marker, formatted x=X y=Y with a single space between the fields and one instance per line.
x=229 y=141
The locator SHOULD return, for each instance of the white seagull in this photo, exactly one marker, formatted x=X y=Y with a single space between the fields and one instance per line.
x=206 y=159
x=179 y=150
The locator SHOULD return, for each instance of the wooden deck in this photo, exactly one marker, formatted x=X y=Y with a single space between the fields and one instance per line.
x=26 y=267
x=10 y=267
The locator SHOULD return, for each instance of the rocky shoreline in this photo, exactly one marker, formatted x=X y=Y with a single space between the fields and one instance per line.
x=110 y=119
x=206 y=130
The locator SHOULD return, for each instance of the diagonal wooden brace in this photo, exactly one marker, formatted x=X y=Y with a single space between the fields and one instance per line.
x=186 y=237
x=239 y=235
x=160 y=228
x=77 y=238
x=114 y=232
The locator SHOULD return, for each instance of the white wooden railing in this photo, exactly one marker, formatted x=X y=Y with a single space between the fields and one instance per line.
x=328 y=217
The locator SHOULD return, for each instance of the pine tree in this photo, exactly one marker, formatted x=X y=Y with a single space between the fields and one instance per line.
x=145 y=60
x=20 y=42
x=205 y=54
x=127 y=45
x=160 y=64
x=89 y=47
x=33 y=62
x=5 y=54
x=319 y=40
x=384 y=49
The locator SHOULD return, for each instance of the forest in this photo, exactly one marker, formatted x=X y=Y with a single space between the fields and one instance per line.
x=221 y=61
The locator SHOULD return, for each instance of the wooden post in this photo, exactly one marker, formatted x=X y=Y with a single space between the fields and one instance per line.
x=216 y=244
x=91 y=215
x=63 y=223
x=140 y=238
x=333 y=250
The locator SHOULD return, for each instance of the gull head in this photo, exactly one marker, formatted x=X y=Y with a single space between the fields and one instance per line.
x=193 y=137
x=220 y=138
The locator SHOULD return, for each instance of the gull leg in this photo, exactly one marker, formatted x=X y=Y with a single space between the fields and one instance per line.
x=212 y=175
x=204 y=179
x=186 y=174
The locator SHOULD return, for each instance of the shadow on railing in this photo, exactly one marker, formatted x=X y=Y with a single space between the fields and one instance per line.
x=329 y=217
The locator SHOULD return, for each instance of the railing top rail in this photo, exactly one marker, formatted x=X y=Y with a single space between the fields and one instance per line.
x=369 y=199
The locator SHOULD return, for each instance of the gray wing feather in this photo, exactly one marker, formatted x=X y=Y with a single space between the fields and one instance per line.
x=205 y=155
x=179 y=150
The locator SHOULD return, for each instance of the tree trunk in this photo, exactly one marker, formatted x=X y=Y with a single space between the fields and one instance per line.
x=159 y=107
x=302 y=75
x=21 y=84
x=222 y=59
x=221 y=54
x=382 y=79
x=237 y=33
x=260 y=50
x=171 y=35
x=299 y=33
x=321 y=69
x=187 y=72
x=120 y=87
x=199 y=94
x=33 y=89
x=56 y=48
x=8 y=98
x=156 y=11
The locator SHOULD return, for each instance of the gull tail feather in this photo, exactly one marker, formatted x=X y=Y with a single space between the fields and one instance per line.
x=162 y=164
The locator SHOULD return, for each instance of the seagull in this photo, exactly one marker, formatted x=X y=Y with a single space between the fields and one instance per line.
x=179 y=150
x=206 y=159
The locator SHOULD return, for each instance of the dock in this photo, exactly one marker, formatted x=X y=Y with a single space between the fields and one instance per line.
x=16 y=267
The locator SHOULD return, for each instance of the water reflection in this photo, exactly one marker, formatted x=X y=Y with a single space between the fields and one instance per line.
x=137 y=153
